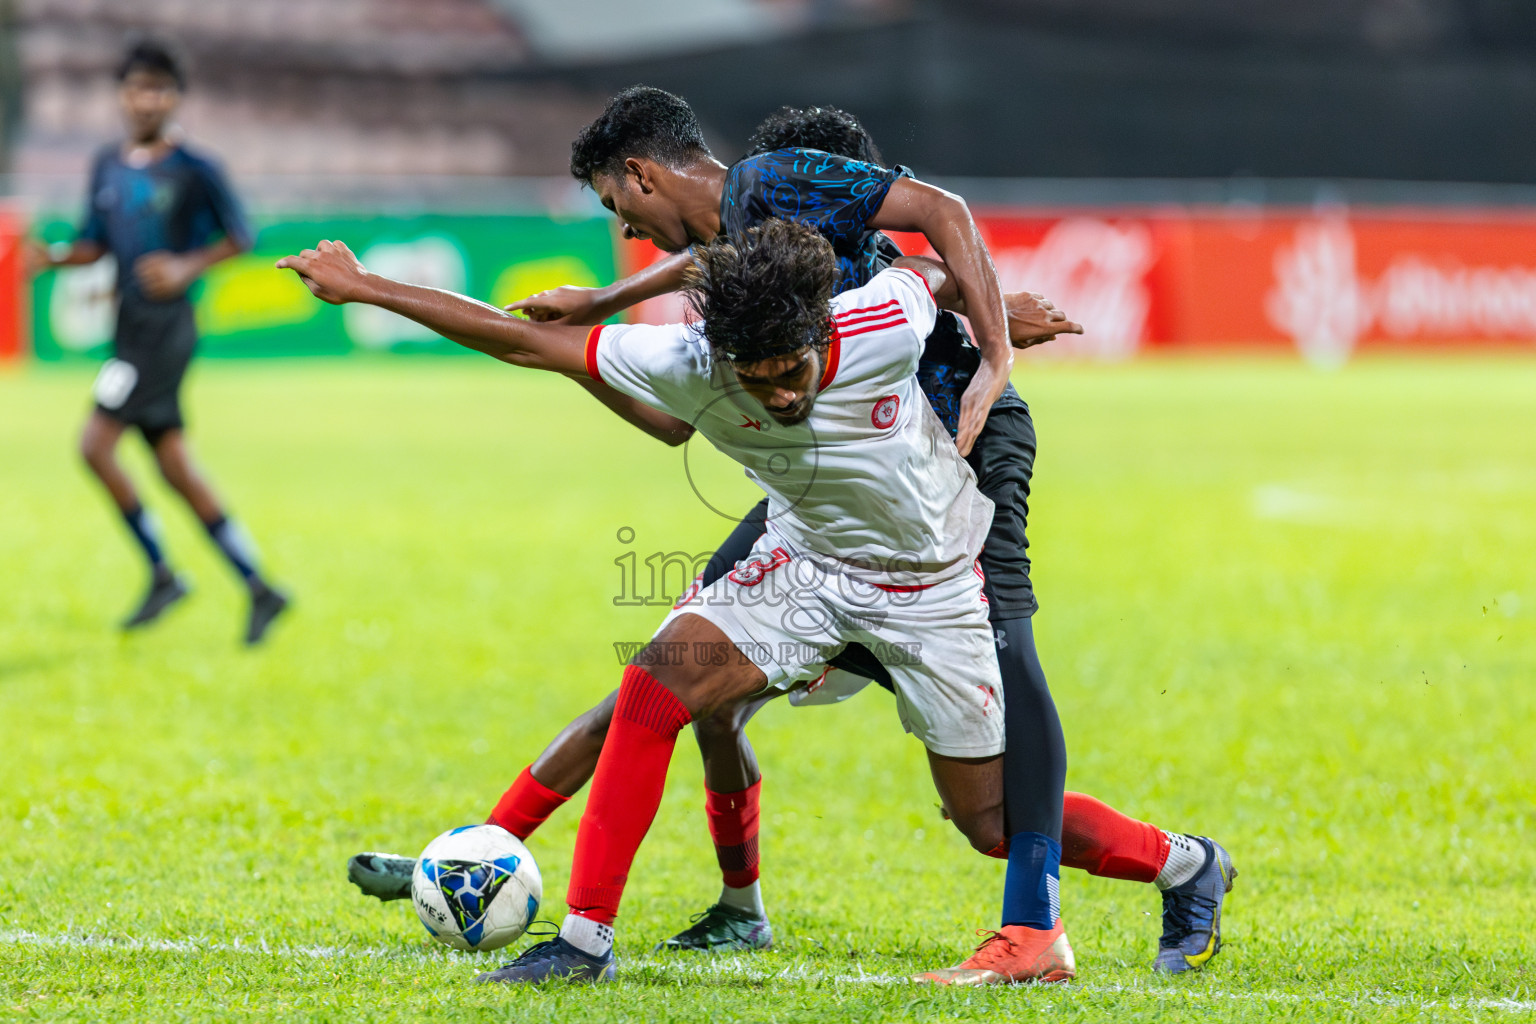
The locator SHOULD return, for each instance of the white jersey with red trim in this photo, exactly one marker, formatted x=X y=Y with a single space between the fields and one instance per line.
x=871 y=479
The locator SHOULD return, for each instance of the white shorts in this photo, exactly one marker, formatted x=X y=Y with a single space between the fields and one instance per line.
x=790 y=614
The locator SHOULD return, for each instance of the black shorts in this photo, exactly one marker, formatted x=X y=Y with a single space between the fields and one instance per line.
x=1004 y=460
x=140 y=386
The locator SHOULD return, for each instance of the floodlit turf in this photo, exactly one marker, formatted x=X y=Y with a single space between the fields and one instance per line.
x=1290 y=609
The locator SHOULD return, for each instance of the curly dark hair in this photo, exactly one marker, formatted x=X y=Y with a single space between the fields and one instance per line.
x=640 y=121
x=764 y=294
x=152 y=55
x=825 y=128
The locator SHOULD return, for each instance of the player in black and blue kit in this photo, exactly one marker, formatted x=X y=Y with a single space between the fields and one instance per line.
x=166 y=214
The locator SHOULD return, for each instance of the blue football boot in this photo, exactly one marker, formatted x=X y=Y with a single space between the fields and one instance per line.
x=1192 y=913
x=555 y=960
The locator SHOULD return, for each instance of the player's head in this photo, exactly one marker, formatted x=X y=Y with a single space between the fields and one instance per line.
x=627 y=155
x=763 y=300
x=825 y=128
x=150 y=81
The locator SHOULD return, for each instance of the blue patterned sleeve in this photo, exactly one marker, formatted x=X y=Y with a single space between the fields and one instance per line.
x=833 y=194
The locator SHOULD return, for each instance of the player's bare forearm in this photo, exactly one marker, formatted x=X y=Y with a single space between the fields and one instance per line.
x=211 y=255
x=79 y=253
x=946 y=292
x=335 y=275
x=946 y=222
x=587 y=306
x=1032 y=318
x=483 y=327
x=667 y=429
x=664 y=276
x=167 y=275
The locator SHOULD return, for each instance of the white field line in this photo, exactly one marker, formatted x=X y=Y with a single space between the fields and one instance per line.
x=719 y=968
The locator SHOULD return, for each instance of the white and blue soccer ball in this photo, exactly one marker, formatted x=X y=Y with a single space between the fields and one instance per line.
x=476 y=887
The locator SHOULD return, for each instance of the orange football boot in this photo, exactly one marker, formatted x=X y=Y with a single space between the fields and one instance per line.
x=1014 y=955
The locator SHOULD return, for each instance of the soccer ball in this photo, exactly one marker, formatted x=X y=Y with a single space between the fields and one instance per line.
x=476 y=887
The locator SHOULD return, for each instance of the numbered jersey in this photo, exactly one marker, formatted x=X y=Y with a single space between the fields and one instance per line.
x=870 y=480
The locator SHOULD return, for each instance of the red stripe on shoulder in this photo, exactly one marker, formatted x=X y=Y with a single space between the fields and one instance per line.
x=883 y=325
x=834 y=355
x=861 y=311
x=592 y=336
x=886 y=314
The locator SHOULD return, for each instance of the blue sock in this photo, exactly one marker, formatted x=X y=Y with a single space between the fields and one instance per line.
x=1031 y=895
x=237 y=547
x=147 y=532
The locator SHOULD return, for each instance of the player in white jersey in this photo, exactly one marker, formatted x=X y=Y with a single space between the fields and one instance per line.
x=868 y=507
x=875 y=523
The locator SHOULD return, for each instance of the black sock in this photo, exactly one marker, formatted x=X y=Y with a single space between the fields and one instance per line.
x=147 y=532
x=237 y=548
x=1035 y=761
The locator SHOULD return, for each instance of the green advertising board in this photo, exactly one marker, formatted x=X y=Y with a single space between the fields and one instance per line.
x=246 y=308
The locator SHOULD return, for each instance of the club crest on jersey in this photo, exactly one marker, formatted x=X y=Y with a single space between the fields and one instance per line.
x=884 y=412
x=751 y=572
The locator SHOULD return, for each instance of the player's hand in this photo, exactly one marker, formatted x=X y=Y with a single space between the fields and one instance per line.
x=330 y=270
x=165 y=275
x=568 y=304
x=985 y=388
x=1033 y=319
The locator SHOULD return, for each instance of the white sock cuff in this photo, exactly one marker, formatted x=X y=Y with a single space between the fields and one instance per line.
x=591 y=937
x=1186 y=856
x=748 y=899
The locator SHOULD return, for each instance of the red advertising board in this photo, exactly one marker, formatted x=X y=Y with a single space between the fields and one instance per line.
x=12 y=292
x=1324 y=283
x=1331 y=282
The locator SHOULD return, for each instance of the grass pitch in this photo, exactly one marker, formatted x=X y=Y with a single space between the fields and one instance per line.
x=1291 y=610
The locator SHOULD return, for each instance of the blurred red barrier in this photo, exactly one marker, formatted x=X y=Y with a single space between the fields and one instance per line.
x=1324 y=283
x=12 y=285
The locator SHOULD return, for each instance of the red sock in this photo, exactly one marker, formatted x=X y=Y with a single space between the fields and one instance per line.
x=1100 y=840
x=626 y=791
x=525 y=805
x=733 y=826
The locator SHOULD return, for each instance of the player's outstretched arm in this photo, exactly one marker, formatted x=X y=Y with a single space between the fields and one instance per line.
x=575 y=305
x=334 y=274
x=1032 y=318
x=946 y=222
x=663 y=427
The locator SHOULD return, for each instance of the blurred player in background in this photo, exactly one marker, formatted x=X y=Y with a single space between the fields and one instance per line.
x=166 y=214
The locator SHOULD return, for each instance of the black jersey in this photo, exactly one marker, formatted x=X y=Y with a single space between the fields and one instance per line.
x=833 y=194
x=838 y=196
x=178 y=203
